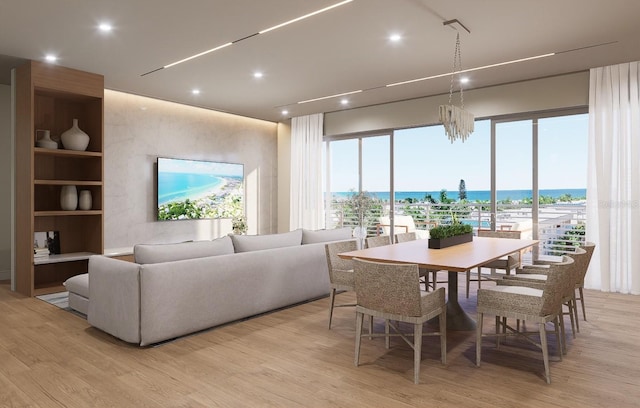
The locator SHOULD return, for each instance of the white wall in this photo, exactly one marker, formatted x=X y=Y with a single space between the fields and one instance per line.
x=284 y=175
x=139 y=129
x=5 y=181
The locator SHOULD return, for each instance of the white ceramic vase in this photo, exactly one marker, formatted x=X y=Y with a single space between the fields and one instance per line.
x=85 y=201
x=69 y=198
x=45 y=141
x=75 y=138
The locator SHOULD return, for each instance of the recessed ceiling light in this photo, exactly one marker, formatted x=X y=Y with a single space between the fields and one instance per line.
x=395 y=37
x=285 y=112
x=258 y=74
x=464 y=80
x=195 y=91
x=105 y=27
x=50 y=58
x=344 y=101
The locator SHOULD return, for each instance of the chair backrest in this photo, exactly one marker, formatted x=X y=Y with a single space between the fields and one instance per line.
x=334 y=262
x=403 y=223
x=381 y=240
x=387 y=287
x=581 y=263
x=589 y=247
x=406 y=237
x=499 y=234
x=560 y=279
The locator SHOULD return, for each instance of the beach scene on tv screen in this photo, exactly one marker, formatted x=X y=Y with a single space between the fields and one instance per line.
x=195 y=189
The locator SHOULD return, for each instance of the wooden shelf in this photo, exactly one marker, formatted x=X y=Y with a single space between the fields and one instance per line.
x=67 y=183
x=66 y=153
x=70 y=257
x=52 y=97
x=62 y=213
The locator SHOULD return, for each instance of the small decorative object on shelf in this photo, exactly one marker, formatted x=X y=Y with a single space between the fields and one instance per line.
x=75 y=138
x=69 y=198
x=46 y=141
x=239 y=225
x=85 y=202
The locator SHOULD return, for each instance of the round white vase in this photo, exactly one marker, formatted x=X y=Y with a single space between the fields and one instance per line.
x=75 y=138
x=85 y=202
x=46 y=141
x=69 y=198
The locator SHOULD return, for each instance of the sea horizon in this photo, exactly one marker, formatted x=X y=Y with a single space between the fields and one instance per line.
x=472 y=195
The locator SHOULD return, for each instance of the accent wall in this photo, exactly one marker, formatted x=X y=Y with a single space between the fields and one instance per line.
x=139 y=129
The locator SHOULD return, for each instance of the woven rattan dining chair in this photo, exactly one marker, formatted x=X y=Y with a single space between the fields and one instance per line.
x=507 y=263
x=405 y=237
x=537 y=273
x=539 y=306
x=424 y=273
x=380 y=240
x=392 y=292
x=589 y=247
x=341 y=276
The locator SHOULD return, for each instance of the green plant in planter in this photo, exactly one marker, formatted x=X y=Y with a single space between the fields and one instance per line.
x=452 y=230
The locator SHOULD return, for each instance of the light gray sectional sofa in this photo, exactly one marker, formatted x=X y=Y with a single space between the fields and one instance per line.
x=176 y=289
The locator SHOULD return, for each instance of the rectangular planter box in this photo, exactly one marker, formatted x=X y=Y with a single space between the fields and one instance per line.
x=450 y=241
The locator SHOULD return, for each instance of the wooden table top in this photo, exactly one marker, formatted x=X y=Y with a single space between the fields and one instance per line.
x=457 y=258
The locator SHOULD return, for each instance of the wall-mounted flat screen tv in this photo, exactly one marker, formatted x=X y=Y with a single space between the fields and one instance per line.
x=197 y=189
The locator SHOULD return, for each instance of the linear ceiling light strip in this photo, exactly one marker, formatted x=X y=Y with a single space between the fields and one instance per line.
x=251 y=35
x=473 y=69
x=330 y=96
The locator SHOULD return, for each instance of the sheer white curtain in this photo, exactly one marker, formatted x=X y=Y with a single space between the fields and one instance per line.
x=306 y=172
x=613 y=183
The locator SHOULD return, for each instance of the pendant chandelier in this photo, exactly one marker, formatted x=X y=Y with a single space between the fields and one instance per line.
x=458 y=123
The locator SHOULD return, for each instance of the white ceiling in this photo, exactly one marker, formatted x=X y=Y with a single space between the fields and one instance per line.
x=344 y=49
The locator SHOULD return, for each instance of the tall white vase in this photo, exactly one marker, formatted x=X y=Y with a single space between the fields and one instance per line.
x=75 y=138
x=69 y=198
x=85 y=202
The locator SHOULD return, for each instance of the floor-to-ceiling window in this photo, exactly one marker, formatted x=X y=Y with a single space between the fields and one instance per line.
x=526 y=172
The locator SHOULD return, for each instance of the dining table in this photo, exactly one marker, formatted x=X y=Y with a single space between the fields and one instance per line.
x=454 y=259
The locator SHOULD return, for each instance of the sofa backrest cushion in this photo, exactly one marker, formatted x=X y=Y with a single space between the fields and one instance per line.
x=246 y=243
x=328 y=235
x=156 y=253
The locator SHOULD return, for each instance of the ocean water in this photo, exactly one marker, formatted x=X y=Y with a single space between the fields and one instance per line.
x=180 y=186
x=477 y=195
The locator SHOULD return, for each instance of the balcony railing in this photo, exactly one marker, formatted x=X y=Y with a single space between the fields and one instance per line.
x=560 y=226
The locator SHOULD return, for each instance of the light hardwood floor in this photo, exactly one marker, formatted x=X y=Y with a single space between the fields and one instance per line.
x=53 y=358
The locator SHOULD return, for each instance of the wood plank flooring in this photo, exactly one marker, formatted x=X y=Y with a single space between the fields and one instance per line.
x=53 y=358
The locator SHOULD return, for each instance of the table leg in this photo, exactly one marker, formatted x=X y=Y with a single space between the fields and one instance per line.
x=457 y=318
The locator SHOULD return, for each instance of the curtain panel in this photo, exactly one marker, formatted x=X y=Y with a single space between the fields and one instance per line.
x=306 y=172
x=613 y=181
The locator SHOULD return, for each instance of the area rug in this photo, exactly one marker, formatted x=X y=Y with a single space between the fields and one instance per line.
x=60 y=299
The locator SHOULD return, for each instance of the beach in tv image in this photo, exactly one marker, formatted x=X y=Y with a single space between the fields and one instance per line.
x=198 y=189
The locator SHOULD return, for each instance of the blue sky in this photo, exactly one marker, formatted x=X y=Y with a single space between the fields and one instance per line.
x=425 y=159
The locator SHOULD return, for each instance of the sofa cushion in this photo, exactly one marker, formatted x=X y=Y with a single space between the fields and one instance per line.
x=78 y=284
x=246 y=243
x=327 y=235
x=156 y=253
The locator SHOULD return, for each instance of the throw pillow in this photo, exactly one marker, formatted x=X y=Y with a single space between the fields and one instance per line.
x=246 y=243
x=337 y=234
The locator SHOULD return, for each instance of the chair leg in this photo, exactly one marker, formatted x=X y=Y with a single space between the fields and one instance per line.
x=370 y=327
x=584 y=313
x=479 y=277
x=386 y=334
x=545 y=351
x=417 y=351
x=443 y=336
x=359 y=321
x=571 y=318
x=332 y=298
x=575 y=311
x=497 y=332
x=478 y=338
x=562 y=333
x=559 y=339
